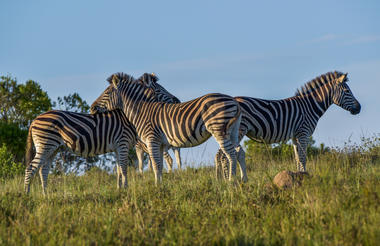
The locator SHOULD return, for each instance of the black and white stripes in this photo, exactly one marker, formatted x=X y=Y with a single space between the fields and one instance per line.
x=160 y=125
x=145 y=109
x=84 y=134
x=295 y=118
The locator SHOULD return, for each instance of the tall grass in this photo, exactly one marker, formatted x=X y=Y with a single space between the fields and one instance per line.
x=337 y=205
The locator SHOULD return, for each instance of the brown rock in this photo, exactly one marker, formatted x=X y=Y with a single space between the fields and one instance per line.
x=287 y=179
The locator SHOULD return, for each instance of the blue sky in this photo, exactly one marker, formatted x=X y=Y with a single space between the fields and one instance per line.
x=263 y=49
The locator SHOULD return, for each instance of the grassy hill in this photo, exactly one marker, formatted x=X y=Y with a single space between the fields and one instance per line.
x=337 y=205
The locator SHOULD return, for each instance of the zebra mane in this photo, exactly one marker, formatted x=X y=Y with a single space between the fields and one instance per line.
x=318 y=82
x=123 y=77
x=148 y=77
x=126 y=78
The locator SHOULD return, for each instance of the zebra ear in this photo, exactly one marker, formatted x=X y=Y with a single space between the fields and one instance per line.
x=148 y=79
x=342 y=78
x=115 y=80
x=154 y=77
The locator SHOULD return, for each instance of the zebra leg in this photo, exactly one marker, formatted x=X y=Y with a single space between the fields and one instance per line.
x=118 y=170
x=39 y=160
x=122 y=159
x=44 y=172
x=241 y=159
x=169 y=160
x=156 y=156
x=177 y=154
x=232 y=155
x=118 y=175
x=236 y=136
x=300 y=145
x=149 y=164
x=230 y=152
x=123 y=171
x=218 y=164
x=225 y=166
x=140 y=157
x=221 y=165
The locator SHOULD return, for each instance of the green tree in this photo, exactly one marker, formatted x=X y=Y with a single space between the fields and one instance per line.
x=20 y=104
x=72 y=102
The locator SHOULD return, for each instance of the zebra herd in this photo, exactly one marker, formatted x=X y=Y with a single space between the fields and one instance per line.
x=141 y=113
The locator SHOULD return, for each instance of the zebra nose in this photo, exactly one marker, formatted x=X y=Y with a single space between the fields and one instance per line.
x=356 y=109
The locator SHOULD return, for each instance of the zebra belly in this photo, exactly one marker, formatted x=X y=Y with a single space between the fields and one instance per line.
x=85 y=152
x=258 y=138
x=190 y=141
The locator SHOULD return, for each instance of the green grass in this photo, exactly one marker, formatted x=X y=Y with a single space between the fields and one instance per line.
x=337 y=205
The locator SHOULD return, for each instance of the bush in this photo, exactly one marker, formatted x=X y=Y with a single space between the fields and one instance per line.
x=14 y=139
x=8 y=167
x=283 y=151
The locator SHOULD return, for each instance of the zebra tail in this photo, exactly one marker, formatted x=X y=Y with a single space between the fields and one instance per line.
x=233 y=120
x=29 y=152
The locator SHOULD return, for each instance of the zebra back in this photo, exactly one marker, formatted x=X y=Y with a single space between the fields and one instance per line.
x=84 y=134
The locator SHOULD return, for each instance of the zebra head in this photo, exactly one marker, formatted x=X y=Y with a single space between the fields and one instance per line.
x=123 y=86
x=162 y=94
x=342 y=95
x=108 y=100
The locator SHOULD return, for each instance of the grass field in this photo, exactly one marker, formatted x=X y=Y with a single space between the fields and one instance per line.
x=337 y=205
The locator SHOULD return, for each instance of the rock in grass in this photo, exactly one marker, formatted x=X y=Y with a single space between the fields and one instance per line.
x=287 y=179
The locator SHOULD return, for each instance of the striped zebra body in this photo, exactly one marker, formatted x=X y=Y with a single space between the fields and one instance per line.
x=188 y=124
x=161 y=95
x=273 y=121
x=84 y=134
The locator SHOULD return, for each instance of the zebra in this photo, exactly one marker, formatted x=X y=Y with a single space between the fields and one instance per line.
x=162 y=96
x=295 y=118
x=84 y=134
x=187 y=124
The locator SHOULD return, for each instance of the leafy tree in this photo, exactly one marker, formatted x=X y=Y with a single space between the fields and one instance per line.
x=20 y=104
x=72 y=102
x=14 y=139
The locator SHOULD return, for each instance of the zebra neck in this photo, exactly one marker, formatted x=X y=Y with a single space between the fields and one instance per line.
x=318 y=102
x=133 y=110
x=137 y=114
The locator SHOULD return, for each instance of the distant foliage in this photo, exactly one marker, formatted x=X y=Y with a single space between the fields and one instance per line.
x=72 y=102
x=13 y=138
x=283 y=151
x=8 y=167
x=20 y=104
x=367 y=150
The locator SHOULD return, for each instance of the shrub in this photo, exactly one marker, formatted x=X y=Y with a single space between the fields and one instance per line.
x=8 y=167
